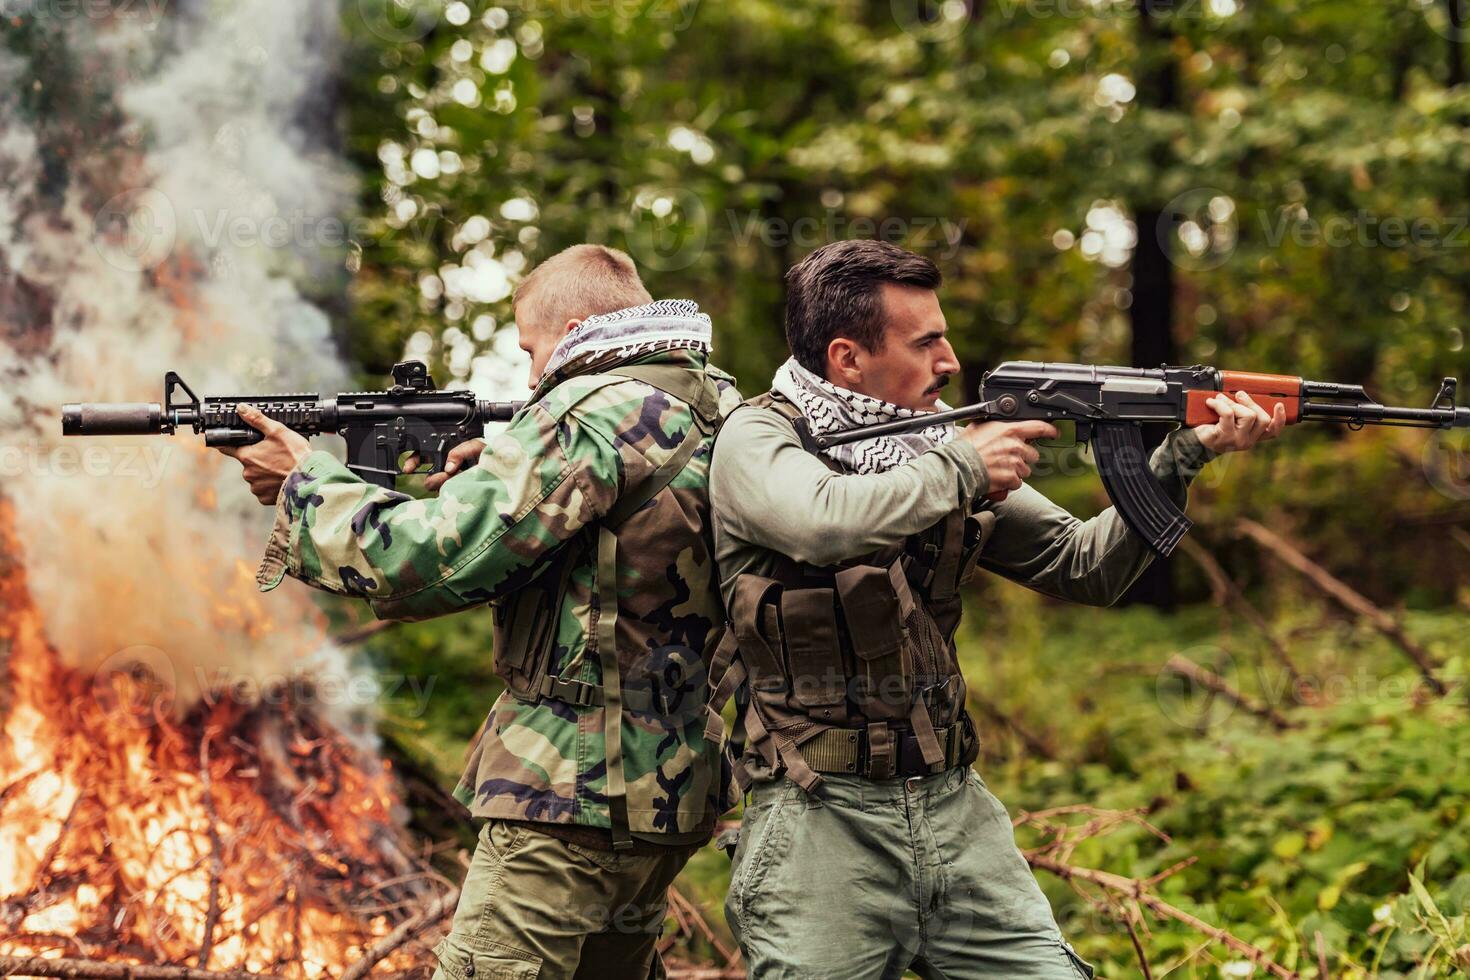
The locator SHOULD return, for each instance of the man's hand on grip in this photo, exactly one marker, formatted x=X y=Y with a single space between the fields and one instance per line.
x=1007 y=451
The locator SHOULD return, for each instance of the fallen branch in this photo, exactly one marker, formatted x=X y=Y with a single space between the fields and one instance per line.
x=1137 y=891
x=216 y=866
x=1211 y=681
x=692 y=915
x=1228 y=594
x=37 y=966
x=1346 y=596
x=439 y=909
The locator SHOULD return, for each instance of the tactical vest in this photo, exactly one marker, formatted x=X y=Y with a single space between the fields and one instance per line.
x=526 y=620
x=852 y=668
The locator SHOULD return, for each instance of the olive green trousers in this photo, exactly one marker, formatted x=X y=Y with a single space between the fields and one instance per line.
x=864 y=879
x=534 y=906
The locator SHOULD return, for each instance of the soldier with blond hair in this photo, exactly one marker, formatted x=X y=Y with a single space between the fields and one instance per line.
x=584 y=525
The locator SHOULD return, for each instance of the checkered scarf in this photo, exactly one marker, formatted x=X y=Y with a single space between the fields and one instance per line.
x=667 y=324
x=829 y=408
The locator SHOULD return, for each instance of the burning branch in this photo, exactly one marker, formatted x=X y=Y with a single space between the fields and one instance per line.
x=36 y=966
x=438 y=910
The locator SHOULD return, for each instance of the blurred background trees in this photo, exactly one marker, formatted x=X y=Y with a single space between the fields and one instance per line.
x=1267 y=187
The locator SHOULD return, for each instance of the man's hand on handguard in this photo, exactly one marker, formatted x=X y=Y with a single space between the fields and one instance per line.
x=267 y=463
x=461 y=457
x=1007 y=451
x=1243 y=423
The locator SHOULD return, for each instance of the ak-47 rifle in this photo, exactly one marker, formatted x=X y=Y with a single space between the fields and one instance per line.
x=379 y=426
x=1108 y=406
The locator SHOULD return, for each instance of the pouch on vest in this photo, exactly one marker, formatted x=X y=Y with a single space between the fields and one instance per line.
x=524 y=634
x=813 y=651
x=876 y=603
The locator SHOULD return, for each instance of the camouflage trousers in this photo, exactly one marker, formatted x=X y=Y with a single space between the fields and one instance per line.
x=867 y=878
x=534 y=906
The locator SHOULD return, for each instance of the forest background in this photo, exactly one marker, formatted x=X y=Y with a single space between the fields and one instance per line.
x=1280 y=187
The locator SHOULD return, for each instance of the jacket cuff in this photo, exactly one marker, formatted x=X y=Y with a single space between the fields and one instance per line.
x=974 y=478
x=1190 y=454
x=282 y=549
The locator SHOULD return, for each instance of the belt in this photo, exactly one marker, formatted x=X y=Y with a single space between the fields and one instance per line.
x=845 y=751
x=583 y=695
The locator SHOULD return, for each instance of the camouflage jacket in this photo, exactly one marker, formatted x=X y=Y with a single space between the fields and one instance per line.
x=529 y=506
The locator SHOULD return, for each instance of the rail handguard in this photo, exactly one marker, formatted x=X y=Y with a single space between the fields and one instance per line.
x=379 y=426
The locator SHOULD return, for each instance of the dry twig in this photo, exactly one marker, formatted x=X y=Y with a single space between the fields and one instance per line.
x=1138 y=892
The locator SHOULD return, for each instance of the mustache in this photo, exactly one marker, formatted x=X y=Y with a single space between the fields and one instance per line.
x=939 y=385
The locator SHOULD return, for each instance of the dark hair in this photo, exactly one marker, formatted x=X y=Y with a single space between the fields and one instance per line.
x=835 y=292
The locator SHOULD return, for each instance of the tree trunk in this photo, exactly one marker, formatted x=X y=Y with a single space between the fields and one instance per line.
x=1152 y=312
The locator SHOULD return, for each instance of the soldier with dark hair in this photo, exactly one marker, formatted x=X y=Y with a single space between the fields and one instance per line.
x=584 y=524
x=869 y=846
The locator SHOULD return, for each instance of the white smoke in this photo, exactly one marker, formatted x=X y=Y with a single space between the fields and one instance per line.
x=186 y=258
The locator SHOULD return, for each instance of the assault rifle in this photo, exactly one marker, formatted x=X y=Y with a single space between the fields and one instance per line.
x=1108 y=406
x=379 y=426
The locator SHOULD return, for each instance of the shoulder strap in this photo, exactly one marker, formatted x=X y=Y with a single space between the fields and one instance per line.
x=782 y=406
x=694 y=388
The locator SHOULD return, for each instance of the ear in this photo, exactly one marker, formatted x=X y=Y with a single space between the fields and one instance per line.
x=571 y=325
x=843 y=364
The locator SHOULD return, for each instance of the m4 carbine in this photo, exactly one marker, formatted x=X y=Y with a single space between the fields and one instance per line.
x=379 y=426
x=1108 y=406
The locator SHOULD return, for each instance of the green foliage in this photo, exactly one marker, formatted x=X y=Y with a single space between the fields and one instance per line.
x=1292 y=149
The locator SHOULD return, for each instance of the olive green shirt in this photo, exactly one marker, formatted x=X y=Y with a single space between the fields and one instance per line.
x=770 y=495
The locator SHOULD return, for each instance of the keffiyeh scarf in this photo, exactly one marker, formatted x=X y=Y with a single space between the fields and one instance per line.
x=667 y=324
x=828 y=408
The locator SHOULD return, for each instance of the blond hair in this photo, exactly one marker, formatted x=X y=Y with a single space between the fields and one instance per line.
x=579 y=282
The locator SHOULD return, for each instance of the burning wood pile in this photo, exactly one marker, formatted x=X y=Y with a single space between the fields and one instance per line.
x=239 y=837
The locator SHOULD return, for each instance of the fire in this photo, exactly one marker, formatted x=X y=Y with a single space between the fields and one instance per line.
x=238 y=837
